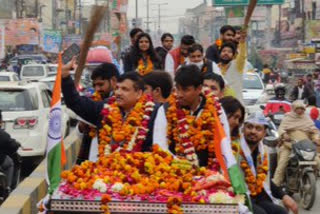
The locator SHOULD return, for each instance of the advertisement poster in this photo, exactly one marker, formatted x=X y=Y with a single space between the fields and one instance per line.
x=22 y=32
x=312 y=29
x=70 y=39
x=51 y=41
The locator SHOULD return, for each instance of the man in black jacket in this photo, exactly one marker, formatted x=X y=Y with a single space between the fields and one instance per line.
x=227 y=34
x=104 y=80
x=167 y=41
x=8 y=148
x=130 y=88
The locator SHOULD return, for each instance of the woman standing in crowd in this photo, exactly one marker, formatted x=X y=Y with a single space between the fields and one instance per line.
x=143 y=58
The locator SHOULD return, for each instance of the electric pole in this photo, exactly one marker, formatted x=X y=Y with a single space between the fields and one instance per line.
x=148 y=29
x=80 y=17
x=159 y=14
x=136 y=13
x=36 y=6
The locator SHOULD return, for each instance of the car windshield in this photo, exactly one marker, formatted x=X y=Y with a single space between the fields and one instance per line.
x=4 y=78
x=31 y=71
x=17 y=100
x=252 y=82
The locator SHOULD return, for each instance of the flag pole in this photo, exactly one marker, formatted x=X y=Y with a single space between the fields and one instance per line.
x=250 y=10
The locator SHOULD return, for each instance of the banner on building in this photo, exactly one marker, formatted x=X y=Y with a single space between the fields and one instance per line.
x=234 y=12
x=52 y=41
x=22 y=32
x=312 y=29
x=70 y=39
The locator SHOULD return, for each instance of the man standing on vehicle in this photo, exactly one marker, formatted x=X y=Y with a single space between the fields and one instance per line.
x=167 y=41
x=255 y=166
x=128 y=103
x=104 y=80
x=227 y=34
x=177 y=56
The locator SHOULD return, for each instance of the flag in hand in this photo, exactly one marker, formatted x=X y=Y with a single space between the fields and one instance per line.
x=55 y=156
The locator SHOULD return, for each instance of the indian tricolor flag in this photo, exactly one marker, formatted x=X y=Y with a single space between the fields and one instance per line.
x=56 y=157
x=225 y=157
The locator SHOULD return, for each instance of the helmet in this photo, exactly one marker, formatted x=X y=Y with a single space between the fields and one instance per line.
x=280 y=89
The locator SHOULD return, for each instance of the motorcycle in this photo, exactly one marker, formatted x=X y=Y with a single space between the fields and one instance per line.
x=4 y=188
x=300 y=174
x=271 y=141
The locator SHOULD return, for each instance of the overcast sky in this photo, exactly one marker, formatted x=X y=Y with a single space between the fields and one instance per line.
x=170 y=13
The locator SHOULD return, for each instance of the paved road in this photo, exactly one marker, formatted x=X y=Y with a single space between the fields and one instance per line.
x=316 y=207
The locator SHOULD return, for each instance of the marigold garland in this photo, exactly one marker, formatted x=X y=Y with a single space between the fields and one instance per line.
x=219 y=43
x=148 y=176
x=127 y=135
x=224 y=68
x=191 y=133
x=145 y=68
x=255 y=183
x=96 y=96
x=174 y=205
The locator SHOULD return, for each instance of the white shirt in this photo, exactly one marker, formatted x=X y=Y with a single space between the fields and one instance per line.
x=169 y=65
x=300 y=92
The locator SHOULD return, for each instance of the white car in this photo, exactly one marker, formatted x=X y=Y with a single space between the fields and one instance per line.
x=8 y=77
x=34 y=71
x=25 y=108
x=253 y=89
x=52 y=69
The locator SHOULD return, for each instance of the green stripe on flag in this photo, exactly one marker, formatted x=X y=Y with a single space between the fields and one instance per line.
x=237 y=180
x=238 y=183
x=54 y=167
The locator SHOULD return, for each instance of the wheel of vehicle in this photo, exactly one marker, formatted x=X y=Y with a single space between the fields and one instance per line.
x=308 y=190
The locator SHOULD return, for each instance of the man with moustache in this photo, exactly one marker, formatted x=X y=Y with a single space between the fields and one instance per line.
x=104 y=81
x=232 y=65
x=255 y=166
x=128 y=93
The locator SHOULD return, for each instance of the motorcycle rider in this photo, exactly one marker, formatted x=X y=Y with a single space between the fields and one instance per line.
x=254 y=163
x=8 y=153
x=279 y=103
x=297 y=126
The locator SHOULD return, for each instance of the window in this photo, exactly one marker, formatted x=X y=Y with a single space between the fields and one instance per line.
x=31 y=71
x=252 y=82
x=18 y=100
x=4 y=78
x=45 y=99
x=15 y=77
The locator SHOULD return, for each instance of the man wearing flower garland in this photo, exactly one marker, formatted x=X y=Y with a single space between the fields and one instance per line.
x=255 y=166
x=185 y=125
x=227 y=34
x=125 y=121
x=104 y=80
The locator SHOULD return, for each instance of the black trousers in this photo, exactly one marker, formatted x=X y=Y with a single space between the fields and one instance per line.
x=267 y=207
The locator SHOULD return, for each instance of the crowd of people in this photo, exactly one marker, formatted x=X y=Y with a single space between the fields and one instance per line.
x=175 y=98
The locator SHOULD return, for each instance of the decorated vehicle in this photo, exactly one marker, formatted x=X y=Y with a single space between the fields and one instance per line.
x=153 y=178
